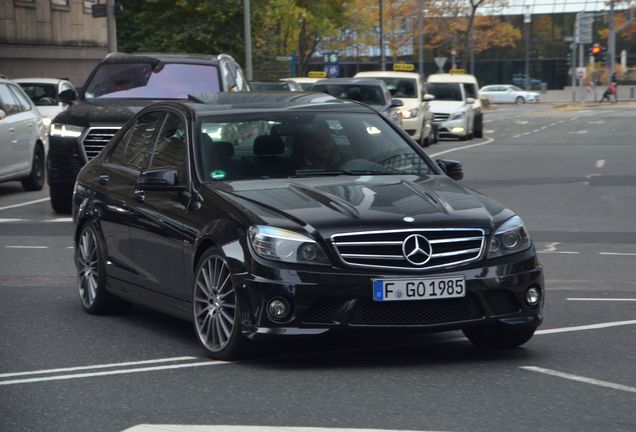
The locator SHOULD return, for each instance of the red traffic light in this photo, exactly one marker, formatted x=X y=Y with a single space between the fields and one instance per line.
x=596 y=50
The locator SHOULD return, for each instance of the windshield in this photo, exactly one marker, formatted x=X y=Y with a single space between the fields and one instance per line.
x=274 y=145
x=143 y=81
x=445 y=91
x=41 y=94
x=368 y=94
x=400 y=87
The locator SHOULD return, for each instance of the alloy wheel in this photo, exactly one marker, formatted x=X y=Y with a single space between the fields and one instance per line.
x=214 y=304
x=88 y=267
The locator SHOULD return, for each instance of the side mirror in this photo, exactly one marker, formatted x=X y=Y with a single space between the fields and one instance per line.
x=67 y=96
x=428 y=97
x=396 y=103
x=159 y=179
x=452 y=168
x=470 y=101
x=2 y=114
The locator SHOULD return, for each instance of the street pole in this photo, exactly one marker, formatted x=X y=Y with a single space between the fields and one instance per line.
x=382 y=59
x=612 y=43
x=582 y=66
x=573 y=71
x=420 y=37
x=527 y=19
x=111 y=25
x=472 y=50
x=248 y=39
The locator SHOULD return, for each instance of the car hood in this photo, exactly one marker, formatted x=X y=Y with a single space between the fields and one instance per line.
x=446 y=107
x=50 y=111
x=409 y=103
x=329 y=205
x=103 y=111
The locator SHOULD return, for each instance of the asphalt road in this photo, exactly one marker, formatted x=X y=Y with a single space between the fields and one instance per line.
x=570 y=175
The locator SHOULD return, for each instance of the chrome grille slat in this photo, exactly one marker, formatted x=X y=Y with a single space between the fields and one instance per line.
x=438 y=117
x=450 y=247
x=96 y=139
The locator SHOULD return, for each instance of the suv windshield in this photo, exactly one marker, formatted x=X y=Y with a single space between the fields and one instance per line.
x=143 y=81
x=445 y=91
x=300 y=145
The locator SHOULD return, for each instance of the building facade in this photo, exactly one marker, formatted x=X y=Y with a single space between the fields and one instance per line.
x=51 y=39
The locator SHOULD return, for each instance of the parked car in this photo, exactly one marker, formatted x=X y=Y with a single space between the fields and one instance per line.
x=471 y=90
x=22 y=138
x=305 y=83
x=44 y=94
x=369 y=91
x=417 y=119
x=329 y=220
x=520 y=81
x=452 y=109
x=506 y=93
x=275 y=86
x=119 y=86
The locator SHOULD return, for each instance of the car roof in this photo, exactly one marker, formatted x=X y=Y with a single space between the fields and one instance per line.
x=301 y=79
x=361 y=81
x=387 y=74
x=40 y=80
x=118 y=58
x=452 y=78
x=215 y=103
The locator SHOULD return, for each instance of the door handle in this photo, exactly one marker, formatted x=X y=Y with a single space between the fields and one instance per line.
x=139 y=195
x=103 y=179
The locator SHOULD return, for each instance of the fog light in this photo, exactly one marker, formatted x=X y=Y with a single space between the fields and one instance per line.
x=458 y=130
x=278 y=308
x=533 y=296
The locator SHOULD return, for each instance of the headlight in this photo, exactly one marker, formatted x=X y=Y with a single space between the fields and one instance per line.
x=412 y=113
x=457 y=115
x=46 y=120
x=287 y=246
x=65 y=131
x=511 y=237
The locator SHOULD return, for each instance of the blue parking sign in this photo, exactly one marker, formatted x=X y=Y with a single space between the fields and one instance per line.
x=332 y=71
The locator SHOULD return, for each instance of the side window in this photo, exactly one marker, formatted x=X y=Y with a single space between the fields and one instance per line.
x=117 y=153
x=21 y=98
x=240 y=78
x=470 y=90
x=171 y=147
x=10 y=104
x=140 y=143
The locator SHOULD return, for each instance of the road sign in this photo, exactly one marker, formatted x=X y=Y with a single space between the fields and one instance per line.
x=580 y=72
x=332 y=71
x=403 y=67
x=440 y=62
x=332 y=58
x=317 y=74
x=583 y=28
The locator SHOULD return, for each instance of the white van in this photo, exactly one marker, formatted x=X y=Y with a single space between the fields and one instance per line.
x=470 y=89
x=417 y=119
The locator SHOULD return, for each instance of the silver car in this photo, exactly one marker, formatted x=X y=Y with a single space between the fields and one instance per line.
x=22 y=138
x=508 y=93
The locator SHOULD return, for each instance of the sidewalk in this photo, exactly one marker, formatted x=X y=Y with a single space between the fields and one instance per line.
x=625 y=93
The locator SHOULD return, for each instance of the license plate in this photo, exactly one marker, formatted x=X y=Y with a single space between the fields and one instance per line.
x=419 y=289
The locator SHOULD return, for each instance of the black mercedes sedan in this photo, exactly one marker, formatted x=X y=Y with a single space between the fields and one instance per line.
x=257 y=215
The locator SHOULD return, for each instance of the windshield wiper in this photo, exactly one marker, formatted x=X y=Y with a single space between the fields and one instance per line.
x=318 y=172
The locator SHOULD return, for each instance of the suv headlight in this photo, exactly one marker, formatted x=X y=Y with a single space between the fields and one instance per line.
x=511 y=237
x=286 y=246
x=65 y=130
x=412 y=113
x=457 y=115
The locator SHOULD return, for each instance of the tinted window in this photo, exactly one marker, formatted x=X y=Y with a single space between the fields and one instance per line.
x=171 y=147
x=41 y=94
x=470 y=90
x=286 y=144
x=9 y=102
x=139 y=146
x=368 y=94
x=21 y=98
x=445 y=91
x=143 y=81
x=117 y=153
x=400 y=87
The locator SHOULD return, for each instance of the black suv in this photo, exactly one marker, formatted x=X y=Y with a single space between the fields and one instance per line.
x=119 y=86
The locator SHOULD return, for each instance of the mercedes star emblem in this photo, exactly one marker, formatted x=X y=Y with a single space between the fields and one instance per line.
x=416 y=249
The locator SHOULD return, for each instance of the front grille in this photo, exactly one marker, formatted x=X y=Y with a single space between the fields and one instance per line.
x=96 y=139
x=383 y=249
x=502 y=302
x=440 y=117
x=421 y=312
x=323 y=311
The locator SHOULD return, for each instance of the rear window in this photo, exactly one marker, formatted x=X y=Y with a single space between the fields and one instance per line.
x=400 y=87
x=143 y=81
x=41 y=94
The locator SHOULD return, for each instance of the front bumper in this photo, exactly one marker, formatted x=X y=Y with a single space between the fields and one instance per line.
x=413 y=126
x=338 y=300
x=452 y=128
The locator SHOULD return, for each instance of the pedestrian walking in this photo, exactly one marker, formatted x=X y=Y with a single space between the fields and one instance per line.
x=613 y=94
x=606 y=95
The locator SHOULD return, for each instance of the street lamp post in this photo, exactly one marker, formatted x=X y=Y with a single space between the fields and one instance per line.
x=248 y=38
x=382 y=59
x=420 y=36
x=527 y=20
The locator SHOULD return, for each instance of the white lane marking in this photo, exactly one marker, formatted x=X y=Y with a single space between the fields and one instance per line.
x=559 y=252
x=488 y=141
x=579 y=378
x=99 y=366
x=489 y=131
x=600 y=163
x=70 y=247
x=586 y=327
x=516 y=136
x=535 y=131
x=580 y=132
x=618 y=253
x=12 y=220
x=247 y=428
x=596 y=122
x=62 y=219
x=601 y=299
x=552 y=248
x=521 y=122
x=112 y=372
x=553 y=124
x=26 y=247
x=24 y=203
x=526 y=133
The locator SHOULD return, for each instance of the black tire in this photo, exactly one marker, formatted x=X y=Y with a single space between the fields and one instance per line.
x=61 y=198
x=479 y=133
x=35 y=180
x=478 y=127
x=212 y=302
x=520 y=100
x=435 y=134
x=499 y=336
x=90 y=257
x=425 y=141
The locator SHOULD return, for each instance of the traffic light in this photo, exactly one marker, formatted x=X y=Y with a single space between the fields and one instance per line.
x=568 y=58
x=596 y=51
x=604 y=55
